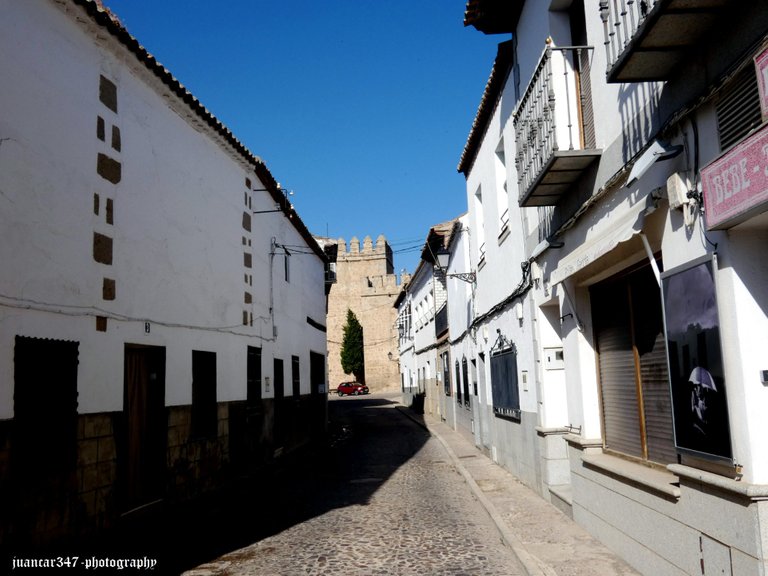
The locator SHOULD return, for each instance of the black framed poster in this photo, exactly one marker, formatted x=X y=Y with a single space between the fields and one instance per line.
x=696 y=373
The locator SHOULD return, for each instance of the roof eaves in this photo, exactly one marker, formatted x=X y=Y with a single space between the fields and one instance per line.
x=493 y=89
x=106 y=19
x=493 y=16
x=439 y=236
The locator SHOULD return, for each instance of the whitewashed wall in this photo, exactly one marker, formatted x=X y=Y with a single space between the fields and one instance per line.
x=178 y=209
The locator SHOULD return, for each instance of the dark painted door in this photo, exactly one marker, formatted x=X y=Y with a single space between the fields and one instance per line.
x=146 y=424
x=44 y=437
x=279 y=422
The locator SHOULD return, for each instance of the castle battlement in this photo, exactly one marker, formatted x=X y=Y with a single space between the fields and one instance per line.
x=365 y=283
x=381 y=248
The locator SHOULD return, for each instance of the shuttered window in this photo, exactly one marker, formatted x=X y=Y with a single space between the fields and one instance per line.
x=632 y=363
x=465 y=380
x=458 y=383
x=738 y=108
x=504 y=390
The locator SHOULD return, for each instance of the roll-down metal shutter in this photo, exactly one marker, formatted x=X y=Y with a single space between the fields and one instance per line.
x=632 y=362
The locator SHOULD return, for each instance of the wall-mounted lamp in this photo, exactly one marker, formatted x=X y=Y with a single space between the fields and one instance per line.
x=277 y=208
x=555 y=243
x=443 y=256
x=656 y=151
x=544 y=245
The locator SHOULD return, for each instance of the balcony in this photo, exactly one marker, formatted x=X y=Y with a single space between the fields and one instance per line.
x=554 y=128
x=645 y=40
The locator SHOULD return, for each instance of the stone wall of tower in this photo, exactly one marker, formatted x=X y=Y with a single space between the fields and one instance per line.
x=367 y=285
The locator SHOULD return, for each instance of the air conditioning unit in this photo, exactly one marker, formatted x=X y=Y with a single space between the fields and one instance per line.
x=677 y=191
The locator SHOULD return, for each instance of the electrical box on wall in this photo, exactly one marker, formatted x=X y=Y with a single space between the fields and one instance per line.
x=553 y=359
x=677 y=191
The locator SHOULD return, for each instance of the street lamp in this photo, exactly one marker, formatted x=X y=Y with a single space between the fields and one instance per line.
x=278 y=207
x=443 y=256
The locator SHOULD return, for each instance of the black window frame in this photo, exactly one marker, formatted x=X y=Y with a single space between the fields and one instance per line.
x=458 y=383
x=465 y=383
x=505 y=390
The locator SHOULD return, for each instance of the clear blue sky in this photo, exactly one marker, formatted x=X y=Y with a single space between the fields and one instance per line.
x=360 y=107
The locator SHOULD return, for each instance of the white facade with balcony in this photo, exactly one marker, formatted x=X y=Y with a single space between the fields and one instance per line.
x=641 y=208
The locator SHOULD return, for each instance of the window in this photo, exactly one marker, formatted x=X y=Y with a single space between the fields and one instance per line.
x=632 y=364
x=458 y=383
x=204 y=409
x=447 y=373
x=287 y=265
x=504 y=385
x=479 y=224
x=465 y=381
x=404 y=324
x=502 y=198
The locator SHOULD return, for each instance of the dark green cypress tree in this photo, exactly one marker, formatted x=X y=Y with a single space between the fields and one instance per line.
x=352 y=356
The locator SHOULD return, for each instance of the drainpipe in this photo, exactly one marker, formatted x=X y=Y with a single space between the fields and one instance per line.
x=273 y=243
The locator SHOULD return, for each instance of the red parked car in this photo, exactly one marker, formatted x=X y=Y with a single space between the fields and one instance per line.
x=351 y=389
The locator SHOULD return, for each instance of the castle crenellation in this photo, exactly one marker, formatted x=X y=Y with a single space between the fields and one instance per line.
x=366 y=284
x=368 y=248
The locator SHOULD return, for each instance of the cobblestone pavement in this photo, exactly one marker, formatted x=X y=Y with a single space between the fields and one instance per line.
x=398 y=507
x=547 y=542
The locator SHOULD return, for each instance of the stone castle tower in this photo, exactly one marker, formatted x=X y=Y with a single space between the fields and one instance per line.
x=365 y=283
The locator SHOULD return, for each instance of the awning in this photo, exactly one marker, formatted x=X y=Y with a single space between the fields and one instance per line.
x=612 y=232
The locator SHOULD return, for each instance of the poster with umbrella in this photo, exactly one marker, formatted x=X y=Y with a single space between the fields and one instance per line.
x=696 y=374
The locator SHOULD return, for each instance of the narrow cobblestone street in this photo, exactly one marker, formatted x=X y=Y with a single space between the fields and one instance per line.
x=386 y=501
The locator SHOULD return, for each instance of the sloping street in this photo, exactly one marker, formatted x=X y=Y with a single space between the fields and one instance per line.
x=385 y=499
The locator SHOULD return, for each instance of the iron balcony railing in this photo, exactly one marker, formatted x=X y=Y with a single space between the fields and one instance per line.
x=649 y=40
x=621 y=20
x=549 y=116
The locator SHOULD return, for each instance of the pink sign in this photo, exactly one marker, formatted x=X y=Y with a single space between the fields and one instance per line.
x=735 y=186
x=761 y=69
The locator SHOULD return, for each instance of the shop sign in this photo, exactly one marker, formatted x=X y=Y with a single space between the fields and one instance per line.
x=761 y=69
x=696 y=370
x=735 y=186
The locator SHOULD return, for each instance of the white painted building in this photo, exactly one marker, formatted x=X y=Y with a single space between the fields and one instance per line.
x=160 y=298
x=406 y=355
x=633 y=149
x=498 y=353
x=423 y=328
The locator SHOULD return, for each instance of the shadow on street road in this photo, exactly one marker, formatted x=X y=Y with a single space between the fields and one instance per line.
x=367 y=441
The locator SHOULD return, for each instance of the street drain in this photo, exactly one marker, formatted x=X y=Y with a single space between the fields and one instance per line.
x=365 y=480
